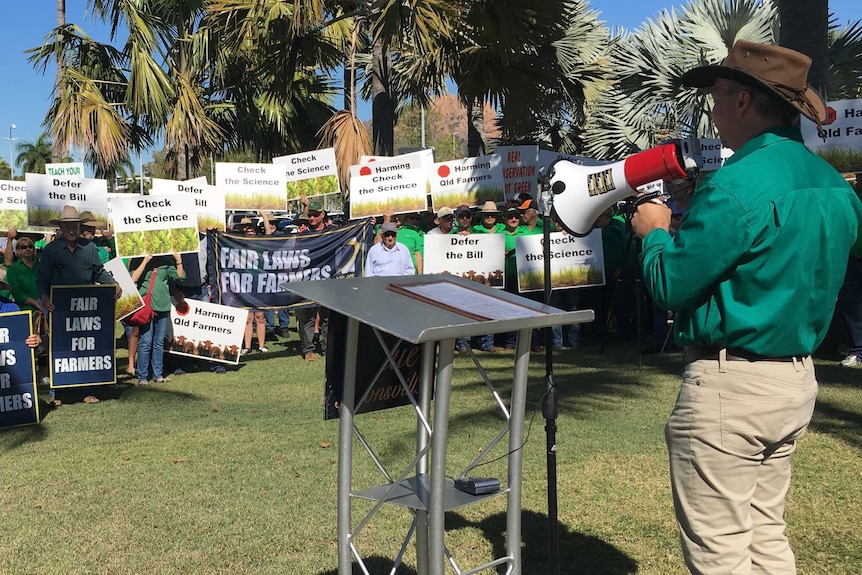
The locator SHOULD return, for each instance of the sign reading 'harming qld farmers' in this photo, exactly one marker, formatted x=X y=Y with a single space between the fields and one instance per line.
x=155 y=224
x=469 y=181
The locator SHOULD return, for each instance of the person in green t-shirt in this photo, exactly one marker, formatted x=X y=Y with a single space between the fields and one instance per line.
x=488 y=223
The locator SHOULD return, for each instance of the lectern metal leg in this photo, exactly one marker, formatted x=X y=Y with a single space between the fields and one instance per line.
x=439 y=435
x=345 y=447
x=516 y=454
x=426 y=388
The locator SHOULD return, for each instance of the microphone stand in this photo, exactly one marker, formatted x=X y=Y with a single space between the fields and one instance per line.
x=550 y=405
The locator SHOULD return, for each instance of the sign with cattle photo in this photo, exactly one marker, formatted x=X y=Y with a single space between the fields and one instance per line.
x=208 y=331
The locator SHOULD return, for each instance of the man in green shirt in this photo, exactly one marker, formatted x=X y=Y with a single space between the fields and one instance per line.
x=753 y=273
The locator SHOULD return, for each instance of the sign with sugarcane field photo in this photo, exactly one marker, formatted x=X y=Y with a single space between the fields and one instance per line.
x=313 y=173
x=575 y=262
x=387 y=184
x=520 y=169
x=13 y=206
x=155 y=224
x=207 y=330
x=209 y=200
x=131 y=301
x=251 y=186
x=82 y=346
x=477 y=257
x=468 y=181
x=18 y=399
x=46 y=196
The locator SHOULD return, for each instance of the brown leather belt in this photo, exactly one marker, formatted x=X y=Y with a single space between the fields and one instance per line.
x=696 y=352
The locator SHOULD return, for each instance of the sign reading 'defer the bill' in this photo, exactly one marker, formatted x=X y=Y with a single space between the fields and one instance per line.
x=841 y=130
x=208 y=330
x=477 y=257
x=131 y=301
x=520 y=164
x=13 y=206
x=387 y=184
x=155 y=224
x=575 y=262
x=469 y=181
x=18 y=400
x=209 y=200
x=251 y=186
x=46 y=196
x=311 y=173
x=82 y=345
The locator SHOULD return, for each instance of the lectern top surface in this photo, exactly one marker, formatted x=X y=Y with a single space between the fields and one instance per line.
x=432 y=307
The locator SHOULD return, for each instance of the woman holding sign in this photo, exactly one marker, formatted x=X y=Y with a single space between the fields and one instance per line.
x=151 y=342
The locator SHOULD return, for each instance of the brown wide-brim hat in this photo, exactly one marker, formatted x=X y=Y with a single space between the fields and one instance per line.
x=68 y=214
x=88 y=219
x=781 y=70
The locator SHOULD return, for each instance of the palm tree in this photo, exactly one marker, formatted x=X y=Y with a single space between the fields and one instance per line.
x=32 y=156
x=5 y=170
x=57 y=150
x=647 y=102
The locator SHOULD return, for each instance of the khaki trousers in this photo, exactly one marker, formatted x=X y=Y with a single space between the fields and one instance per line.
x=729 y=438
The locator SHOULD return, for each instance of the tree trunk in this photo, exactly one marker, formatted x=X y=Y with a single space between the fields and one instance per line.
x=804 y=28
x=382 y=109
x=57 y=147
x=476 y=128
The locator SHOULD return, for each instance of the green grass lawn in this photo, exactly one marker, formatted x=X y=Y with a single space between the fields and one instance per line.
x=236 y=473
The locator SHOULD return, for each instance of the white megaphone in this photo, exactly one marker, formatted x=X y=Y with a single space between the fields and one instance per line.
x=581 y=193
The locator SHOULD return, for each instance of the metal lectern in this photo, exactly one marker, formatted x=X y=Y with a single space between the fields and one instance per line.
x=427 y=310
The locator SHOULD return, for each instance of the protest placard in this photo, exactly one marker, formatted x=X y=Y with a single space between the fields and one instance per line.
x=155 y=224
x=418 y=159
x=208 y=330
x=575 y=262
x=251 y=186
x=13 y=206
x=520 y=169
x=841 y=130
x=713 y=154
x=478 y=257
x=46 y=196
x=131 y=300
x=468 y=181
x=313 y=173
x=209 y=200
x=398 y=183
x=19 y=404
x=82 y=348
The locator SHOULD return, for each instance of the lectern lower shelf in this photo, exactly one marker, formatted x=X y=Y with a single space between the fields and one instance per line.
x=413 y=493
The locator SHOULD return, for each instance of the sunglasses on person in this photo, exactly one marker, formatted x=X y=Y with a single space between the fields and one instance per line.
x=389 y=234
x=25 y=246
x=313 y=213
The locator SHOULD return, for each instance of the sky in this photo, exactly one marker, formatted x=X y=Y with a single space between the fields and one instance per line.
x=24 y=24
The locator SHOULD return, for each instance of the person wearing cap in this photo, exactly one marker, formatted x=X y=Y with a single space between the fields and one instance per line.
x=464 y=220
x=488 y=223
x=70 y=260
x=313 y=318
x=445 y=221
x=88 y=232
x=411 y=235
x=531 y=222
x=388 y=258
x=753 y=273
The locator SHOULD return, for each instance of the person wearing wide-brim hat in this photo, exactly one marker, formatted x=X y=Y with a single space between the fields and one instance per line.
x=89 y=224
x=753 y=273
x=488 y=223
x=70 y=260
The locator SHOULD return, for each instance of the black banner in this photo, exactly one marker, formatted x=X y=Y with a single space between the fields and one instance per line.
x=82 y=345
x=387 y=391
x=18 y=404
x=247 y=271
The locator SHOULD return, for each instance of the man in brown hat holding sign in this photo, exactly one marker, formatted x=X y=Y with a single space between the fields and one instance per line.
x=754 y=272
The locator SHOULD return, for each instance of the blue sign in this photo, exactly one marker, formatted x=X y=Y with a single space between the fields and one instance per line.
x=82 y=345
x=18 y=400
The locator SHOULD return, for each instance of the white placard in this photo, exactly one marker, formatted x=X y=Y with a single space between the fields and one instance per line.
x=131 y=300
x=208 y=330
x=13 y=206
x=520 y=169
x=251 y=186
x=420 y=159
x=313 y=173
x=46 y=196
x=468 y=181
x=155 y=224
x=842 y=129
x=478 y=257
x=575 y=262
x=67 y=170
x=387 y=184
x=713 y=154
x=209 y=200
